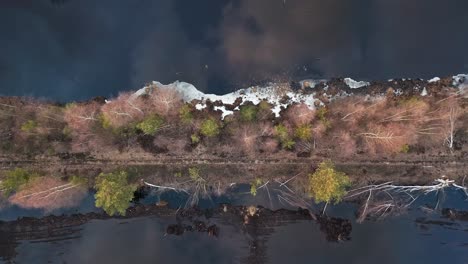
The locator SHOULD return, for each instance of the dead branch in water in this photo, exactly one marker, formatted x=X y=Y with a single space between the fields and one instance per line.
x=411 y=192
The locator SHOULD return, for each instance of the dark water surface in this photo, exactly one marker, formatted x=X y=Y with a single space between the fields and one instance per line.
x=76 y=49
x=413 y=237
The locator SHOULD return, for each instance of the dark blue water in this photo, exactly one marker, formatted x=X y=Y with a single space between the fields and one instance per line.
x=415 y=236
x=76 y=49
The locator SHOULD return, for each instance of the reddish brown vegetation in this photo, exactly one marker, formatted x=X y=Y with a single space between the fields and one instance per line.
x=83 y=120
x=299 y=114
x=48 y=193
x=124 y=110
x=376 y=126
x=164 y=101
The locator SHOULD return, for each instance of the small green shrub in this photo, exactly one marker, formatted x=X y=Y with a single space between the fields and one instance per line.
x=405 y=148
x=114 y=192
x=195 y=139
x=322 y=116
x=304 y=132
x=29 y=126
x=254 y=185
x=105 y=122
x=14 y=180
x=67 y=132
x=282 y=133
x=288 y=144
x=210 y=128
x=321 y=113
x=194 y=173
x=248 y=113
x=185 y=114
x=151 y=125
x=76 y=180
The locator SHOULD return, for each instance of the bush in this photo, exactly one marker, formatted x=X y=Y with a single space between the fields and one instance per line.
x=288 y=144
x=29 y=126
x=185 y=114
x=248 y=113
x=304 y=132
x=195 y=139
x=322 y=116
x=114 y=193
x=210 y=128
x=254 y=185
x=151 y=125
x=14 y=180
x=405 y=148
x=326 y=184
x=194 y=173
x=105 y=122
x=282 y=133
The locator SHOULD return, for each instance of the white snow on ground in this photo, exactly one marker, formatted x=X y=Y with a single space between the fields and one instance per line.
x=424 y=92
x=224 y=110
x=398 y=92
x=460 y=80
x=355 y=84
x=271 y=94
x=435 y=79
x=200 y=106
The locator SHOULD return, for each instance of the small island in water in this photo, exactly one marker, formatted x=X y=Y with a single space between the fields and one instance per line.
x=381 y=144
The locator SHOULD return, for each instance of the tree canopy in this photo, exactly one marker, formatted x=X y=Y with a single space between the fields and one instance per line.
x=151 y=125
x=114 y=192
x=327 y=184
x=248 y=113
x=210 y=128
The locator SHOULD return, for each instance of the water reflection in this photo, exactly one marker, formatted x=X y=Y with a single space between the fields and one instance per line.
x=12 y=212
x=273 y=237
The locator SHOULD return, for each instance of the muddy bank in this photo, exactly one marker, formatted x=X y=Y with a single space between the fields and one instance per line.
x=255 y=221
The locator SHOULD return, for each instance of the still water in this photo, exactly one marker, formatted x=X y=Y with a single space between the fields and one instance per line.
x=77 y=49
x=413 y=237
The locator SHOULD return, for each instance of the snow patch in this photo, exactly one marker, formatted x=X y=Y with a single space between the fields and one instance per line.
x=224 y=110
x=273 y=94
x=435 y=79
x=398 y=92
x=424 y=92
x=200 y=106
x=460 y=80
x=355 y=84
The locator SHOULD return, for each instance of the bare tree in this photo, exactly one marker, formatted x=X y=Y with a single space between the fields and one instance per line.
x=165 y=102
x=452 y=116
x=124 y=109
x=300 y=114
x=388 y=138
